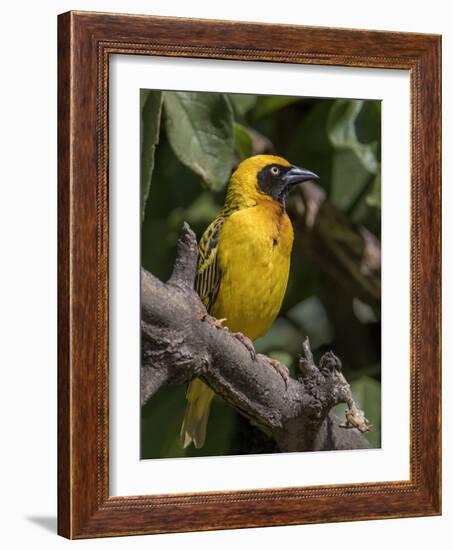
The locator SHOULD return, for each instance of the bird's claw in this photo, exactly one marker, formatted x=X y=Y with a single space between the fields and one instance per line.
x=281 y=369
x=246 y=342
x=217 y=323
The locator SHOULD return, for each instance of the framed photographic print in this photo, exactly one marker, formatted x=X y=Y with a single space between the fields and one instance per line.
x=249 y=275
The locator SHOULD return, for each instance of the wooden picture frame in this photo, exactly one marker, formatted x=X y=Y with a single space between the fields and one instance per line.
x=86 y=41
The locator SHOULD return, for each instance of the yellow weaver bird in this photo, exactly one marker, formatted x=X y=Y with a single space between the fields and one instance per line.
x=243 y=264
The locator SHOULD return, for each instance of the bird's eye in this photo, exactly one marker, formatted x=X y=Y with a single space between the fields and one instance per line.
x=275 y=171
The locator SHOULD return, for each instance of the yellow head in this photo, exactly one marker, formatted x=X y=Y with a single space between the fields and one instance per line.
x=264 y=177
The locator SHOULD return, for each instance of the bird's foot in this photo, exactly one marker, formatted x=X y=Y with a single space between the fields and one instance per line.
x=217 y=323
x=281 y=369
x=246 y=342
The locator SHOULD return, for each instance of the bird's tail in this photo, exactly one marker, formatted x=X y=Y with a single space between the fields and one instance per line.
x=193 y=429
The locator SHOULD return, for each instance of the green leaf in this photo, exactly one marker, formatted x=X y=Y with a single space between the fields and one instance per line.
x=268 y=104
x=368 y=123
x=342 y=132
x=311 y=316
x=168 y=406
x=349 y=179
x=282 y=356
x=373 y=199
x=367 y=394
x=200 y=131
x=203 y=210
x=355 y=165
x=242 y=103
x=161 y=420
x=151 y=107
x=242 y=141
x=282 y=336
x=363 y=311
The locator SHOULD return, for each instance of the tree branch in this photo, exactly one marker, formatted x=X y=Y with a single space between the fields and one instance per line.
x=179 y=343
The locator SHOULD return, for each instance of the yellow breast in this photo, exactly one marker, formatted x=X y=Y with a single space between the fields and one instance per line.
x=254 y=258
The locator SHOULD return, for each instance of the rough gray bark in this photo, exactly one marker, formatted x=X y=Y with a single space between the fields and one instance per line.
x=180 y=341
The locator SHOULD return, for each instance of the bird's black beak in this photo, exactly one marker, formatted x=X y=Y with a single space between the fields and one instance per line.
x=297 y=175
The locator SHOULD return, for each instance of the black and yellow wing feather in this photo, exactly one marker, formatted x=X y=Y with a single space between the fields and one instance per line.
x=208 y=277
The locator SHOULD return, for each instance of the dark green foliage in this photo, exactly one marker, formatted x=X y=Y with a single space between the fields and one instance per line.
x=151 y=106
x=200 y=130
x=161 y=421
x=242 y=141
x=201 y=138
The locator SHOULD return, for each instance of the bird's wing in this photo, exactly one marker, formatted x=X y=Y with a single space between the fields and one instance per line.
x=207 y=281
